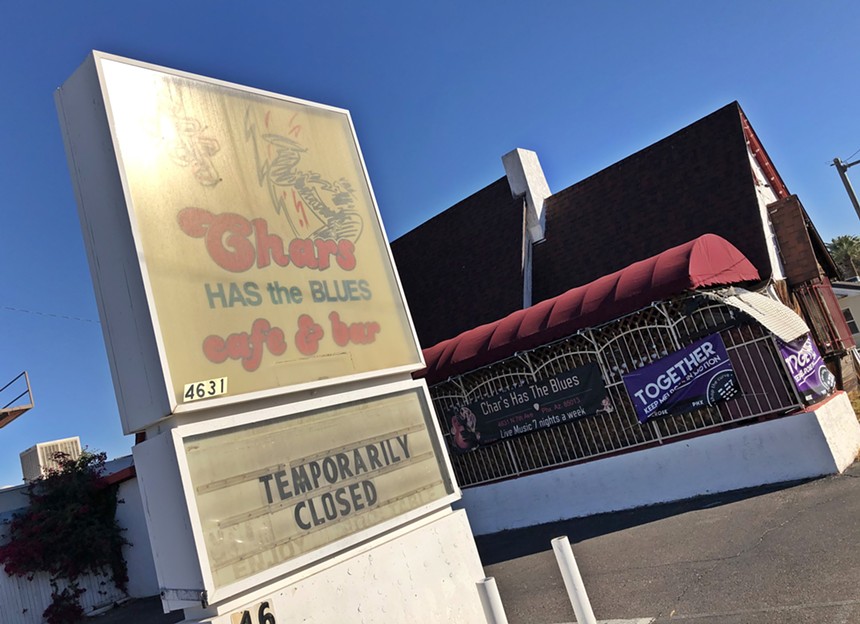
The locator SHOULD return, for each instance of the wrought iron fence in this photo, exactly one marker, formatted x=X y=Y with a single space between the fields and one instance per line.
x=619 y=347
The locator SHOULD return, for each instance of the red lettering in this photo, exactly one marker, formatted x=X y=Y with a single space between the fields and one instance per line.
x=269 y=246
x=346 y=255
x=325 y=249
x=194 y=221
x=357 y=333
x=339 y=329
x=213 y=349
x=363 y=333
x=246 y=347
x=236 y=253
x=309 y=335
x=236 y=244
x=238 y=347
x=303 y=253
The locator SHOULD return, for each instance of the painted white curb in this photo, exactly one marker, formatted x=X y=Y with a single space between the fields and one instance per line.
x=633 y=621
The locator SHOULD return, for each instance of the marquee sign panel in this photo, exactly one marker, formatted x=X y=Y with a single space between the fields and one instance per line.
x=267 y=492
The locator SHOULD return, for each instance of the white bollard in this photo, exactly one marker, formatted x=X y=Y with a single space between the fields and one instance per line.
x=491 y=601
x=573 y=581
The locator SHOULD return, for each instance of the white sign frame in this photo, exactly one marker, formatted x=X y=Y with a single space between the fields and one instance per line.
x=123 y=288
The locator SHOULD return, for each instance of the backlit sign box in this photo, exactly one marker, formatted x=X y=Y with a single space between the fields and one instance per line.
x=233 y=237
x=269 y=492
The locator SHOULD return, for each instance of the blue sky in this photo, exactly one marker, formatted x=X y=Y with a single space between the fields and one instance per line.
x=438 y=93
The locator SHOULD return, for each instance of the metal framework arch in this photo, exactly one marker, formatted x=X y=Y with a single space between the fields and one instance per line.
x=618 y=347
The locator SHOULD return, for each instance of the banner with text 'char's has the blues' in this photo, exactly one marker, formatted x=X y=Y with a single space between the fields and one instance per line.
x=568 y=396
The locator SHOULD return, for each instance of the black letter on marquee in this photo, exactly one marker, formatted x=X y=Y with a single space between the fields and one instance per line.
x=265 y=481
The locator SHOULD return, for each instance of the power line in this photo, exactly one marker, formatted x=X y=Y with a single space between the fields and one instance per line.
x=50 y=314
x=854 y=154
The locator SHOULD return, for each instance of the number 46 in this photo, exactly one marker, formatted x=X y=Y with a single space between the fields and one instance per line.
x=262 y=616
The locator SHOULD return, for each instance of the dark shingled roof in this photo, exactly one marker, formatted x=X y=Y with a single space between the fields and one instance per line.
x=463 y=267
x=695 y=181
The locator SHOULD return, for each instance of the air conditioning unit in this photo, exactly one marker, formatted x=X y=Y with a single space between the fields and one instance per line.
x=36 y=460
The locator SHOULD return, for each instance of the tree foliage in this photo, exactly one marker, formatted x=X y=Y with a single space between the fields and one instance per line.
x=845 y=251
x=69 y=530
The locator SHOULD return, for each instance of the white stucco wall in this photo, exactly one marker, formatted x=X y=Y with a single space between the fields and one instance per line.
x=810 y=444
x=840 y=429
x=852 y=303
x=425 y=574
x=142 y=580
x=13 y=498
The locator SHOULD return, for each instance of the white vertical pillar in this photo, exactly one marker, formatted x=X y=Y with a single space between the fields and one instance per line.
x=526 y=179
x=573 y=581
x=491 y=601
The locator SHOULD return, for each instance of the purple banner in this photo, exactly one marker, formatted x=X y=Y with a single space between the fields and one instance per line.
x=696 y=376
x=806 y=366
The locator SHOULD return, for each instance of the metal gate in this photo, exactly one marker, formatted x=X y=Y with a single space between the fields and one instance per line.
x=619 y=347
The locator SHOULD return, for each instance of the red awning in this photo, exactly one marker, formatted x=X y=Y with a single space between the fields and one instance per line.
x=706 y=261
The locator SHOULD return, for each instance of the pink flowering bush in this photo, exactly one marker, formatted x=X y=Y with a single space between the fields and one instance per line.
x=69 y=530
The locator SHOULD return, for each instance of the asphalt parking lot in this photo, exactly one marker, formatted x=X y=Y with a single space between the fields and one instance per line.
x=784 y=554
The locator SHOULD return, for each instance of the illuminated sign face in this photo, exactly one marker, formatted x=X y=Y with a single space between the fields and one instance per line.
x=262 y=253
x=271 y=491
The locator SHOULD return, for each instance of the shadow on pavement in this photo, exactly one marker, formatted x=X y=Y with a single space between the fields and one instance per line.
x=515 y=543
x=138 y=611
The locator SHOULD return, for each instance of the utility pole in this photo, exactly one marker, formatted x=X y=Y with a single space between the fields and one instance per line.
x=842 y=168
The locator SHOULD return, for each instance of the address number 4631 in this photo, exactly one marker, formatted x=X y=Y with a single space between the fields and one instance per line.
x=264 y=615
x=205 y=389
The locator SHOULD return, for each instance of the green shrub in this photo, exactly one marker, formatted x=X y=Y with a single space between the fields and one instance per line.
x=69 y=530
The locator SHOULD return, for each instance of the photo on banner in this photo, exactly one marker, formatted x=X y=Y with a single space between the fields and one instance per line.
x=697 y=376
x=566 y=397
